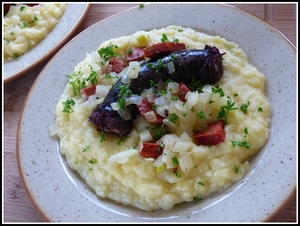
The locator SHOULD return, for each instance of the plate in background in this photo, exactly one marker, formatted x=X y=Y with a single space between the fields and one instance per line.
x=61 y=33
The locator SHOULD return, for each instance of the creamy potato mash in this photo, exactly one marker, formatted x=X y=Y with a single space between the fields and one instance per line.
x=112 y=165
x=25 y=26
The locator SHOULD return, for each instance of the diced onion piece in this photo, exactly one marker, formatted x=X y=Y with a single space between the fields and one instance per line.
x=133 y=69
x=181 y=146
x=173 y=87
x=167 y=158
x=147 y=92
x=115 y=106
x=53 y=129
x=134 y=99
x=171 y=125
x=207 y=89
x=150 y=116
x=123 y=157
x=151 y=98
x=185 y=137
x=171 y=67
x=217 y=101
x=101 y=91
x=186 y=162
x=145 y=136
x=125 y=79
x=192 y=98
x=161 y=85
x=159 y=164
x=160 y=168
x=124 y=113
x=91 y=102
x=203 y=97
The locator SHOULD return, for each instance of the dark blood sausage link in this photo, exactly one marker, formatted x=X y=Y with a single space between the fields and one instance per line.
x=108 y=120
x=205 y=65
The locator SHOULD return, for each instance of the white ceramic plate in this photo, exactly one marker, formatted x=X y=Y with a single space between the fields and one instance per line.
x=65 y=28
x=59 y=195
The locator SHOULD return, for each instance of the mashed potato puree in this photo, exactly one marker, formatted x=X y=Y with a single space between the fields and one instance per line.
x=25 y=26
x=131 y=179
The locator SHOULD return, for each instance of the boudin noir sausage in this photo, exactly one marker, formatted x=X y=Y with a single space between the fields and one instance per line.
x=204 y=65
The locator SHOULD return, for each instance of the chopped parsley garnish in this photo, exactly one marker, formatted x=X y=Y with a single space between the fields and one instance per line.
x=201 y=183
x=244 y=107
x=92 y=161
x=92 y=77
x=141 y=6
x=173 y=118
x=68 y=105
x=160 y=65
x=201 y=115
x=175 y=161
x=123 y=94
x=236 y=169
x=175 y=40
x=22 y=8
x=85 y=149
x=177 y=174
x=164 y=38
x=159 y=130
x=196 y=199
x=23 y=24
x=108 y=52
x=129 y=50
x=196 y=85
x=153 y=84
x=224 y=110
x=219 y=90
x=121 y=140
x=240 y=143
x=260 y=109
x=102 y=136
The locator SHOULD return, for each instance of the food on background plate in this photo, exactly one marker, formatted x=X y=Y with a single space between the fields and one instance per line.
x=194 y=111
x=26 y=25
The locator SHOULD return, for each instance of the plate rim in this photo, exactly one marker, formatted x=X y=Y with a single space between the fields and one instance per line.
x=291 y=195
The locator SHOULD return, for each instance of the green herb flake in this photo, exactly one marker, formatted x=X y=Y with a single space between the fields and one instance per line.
x=121 y=140
x=141 y=6
x=177 y=174
x=85 y=149
x=201 y=115
x=108 y=52
x=236 y=169
x=173 y=118
x=240 y=143
x=244 y=107
x=197 y=199
x=159 y=131
x=68 y=105
x=22 y=8
x=91 y=161
x=201 y=183
x=260 y=109
x=219 y=90
x=102 y=136
x=224 y=110
x=164 y=38
x=129 y=50
x=175 y=161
